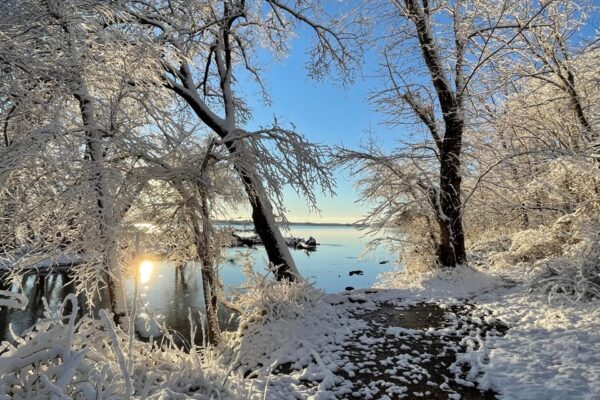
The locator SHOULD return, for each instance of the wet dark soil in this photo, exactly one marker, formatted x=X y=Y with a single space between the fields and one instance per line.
x=409 y=352
x=417 y=358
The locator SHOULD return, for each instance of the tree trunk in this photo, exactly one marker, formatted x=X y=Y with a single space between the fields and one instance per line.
x=589 y=134
x=104 y=208
x=115 y=287
x=262 y=211
x=282 y=263
x=204 y=250
x=203 y=237
x=211 y=299
x=451 y=252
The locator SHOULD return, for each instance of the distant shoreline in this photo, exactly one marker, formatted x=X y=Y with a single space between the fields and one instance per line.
x=248 y=222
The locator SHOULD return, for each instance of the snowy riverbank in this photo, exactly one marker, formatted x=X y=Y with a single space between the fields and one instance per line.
x=463 y=334
x=511 y=343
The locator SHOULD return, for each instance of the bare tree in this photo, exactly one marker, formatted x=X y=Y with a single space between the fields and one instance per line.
x=554 y=51
x=206 y=42
x=435 y=56
x=85 y=114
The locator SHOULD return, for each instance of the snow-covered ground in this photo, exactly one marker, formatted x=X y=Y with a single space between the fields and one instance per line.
x=548 y=351
x=464 y=334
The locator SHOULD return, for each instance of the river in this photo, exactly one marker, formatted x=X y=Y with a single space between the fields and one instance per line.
x=170 y=298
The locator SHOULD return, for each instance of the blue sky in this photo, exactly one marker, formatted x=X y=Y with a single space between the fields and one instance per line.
x=325 y=113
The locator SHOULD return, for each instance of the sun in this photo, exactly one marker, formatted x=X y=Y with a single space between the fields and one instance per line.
x=145 y=270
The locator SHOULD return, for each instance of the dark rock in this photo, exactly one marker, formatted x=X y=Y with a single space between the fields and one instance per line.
x=292 y=241
x=248 y=241
x=348 y=288
x=299 y=243
x=359 y=301
x=383 y=262
x=306 y=246
x=356 y=272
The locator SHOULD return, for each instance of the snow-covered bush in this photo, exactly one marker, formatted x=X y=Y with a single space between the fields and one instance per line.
x=550 y=218
x=534 y=244
x=575 y=273
x=267 y=308
x=61 y=357
x=562 y=259
x=266 y=300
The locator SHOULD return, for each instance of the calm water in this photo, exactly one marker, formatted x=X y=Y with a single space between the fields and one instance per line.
x=171 y=298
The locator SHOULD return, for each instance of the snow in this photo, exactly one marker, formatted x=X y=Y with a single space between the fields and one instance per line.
x=63 y=358
x=39 y=261
x=550 y=352
x=295 y=342
x=455 y=283
x=398 y=331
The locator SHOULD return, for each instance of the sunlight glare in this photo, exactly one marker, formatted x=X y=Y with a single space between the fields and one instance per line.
x=145 y=271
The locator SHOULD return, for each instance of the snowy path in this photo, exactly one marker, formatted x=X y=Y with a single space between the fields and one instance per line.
x=407 y=352
x=374 y=345
x=492 y=339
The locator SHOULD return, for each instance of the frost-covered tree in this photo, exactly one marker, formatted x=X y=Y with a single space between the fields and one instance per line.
x=532 y=133
x=78 y=74
x=190 y=183
x=531 y=181
x=545 y=111
x=557 y=54
x=206 y=46
x=434 y=56
x=86 y=132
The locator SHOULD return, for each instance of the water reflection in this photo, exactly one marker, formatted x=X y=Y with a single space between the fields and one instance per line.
x=172 y=295
x=34 y=286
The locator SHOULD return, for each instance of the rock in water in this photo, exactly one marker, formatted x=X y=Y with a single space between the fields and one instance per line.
x=311 y=241
x=356 y=272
